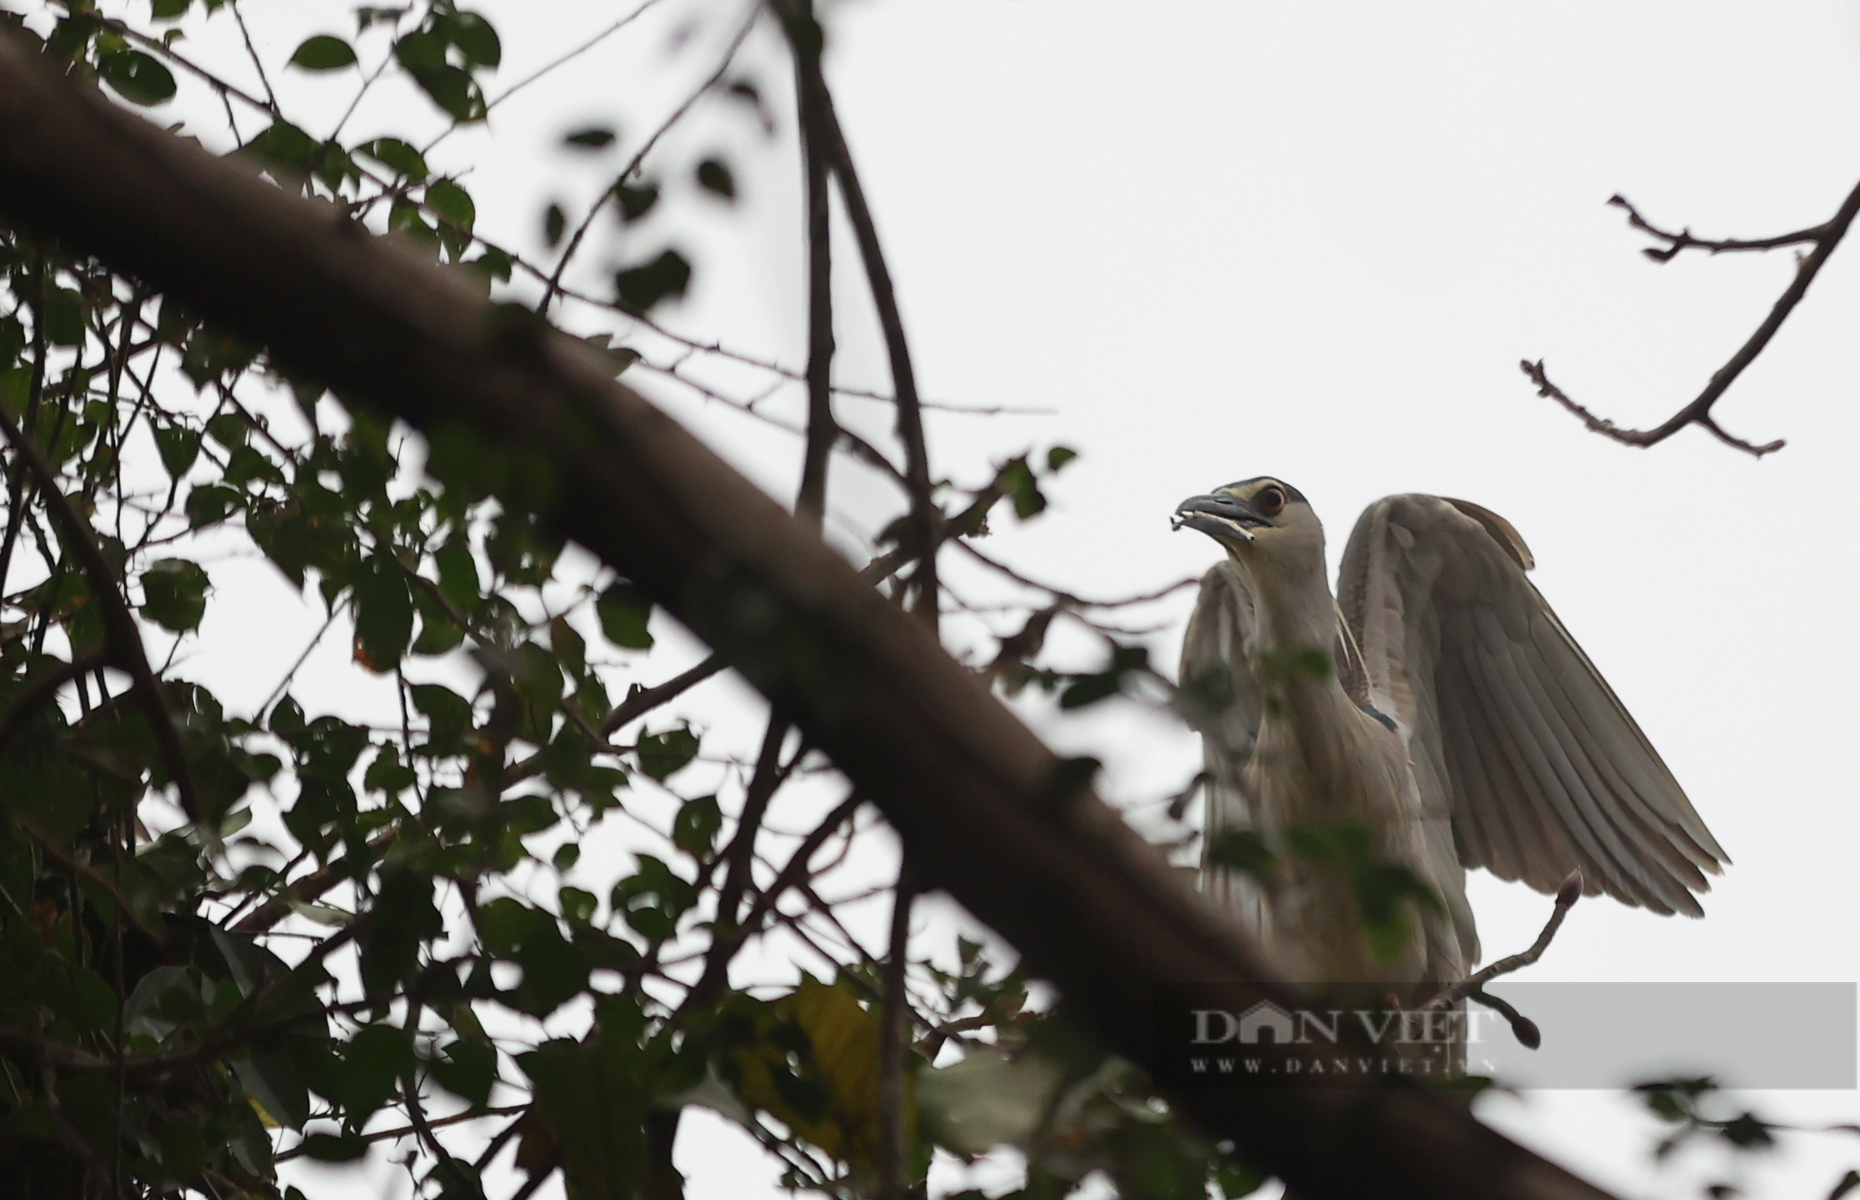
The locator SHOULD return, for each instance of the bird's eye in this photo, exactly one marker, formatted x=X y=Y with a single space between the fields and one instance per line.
x=1270 y=501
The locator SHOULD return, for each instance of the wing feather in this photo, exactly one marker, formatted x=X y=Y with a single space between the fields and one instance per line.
x=1221 y=699
x=1539 y=761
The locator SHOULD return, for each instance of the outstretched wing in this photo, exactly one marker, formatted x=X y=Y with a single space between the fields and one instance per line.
x=1220 y=697
x=1506 y=718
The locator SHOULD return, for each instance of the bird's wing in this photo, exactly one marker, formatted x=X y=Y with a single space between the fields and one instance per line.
x=1506 y=718
x=1221 y=698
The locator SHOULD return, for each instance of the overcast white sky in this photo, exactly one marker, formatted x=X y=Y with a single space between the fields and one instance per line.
x=1314 y=240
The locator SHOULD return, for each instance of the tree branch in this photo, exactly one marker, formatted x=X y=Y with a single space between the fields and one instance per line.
x=804 y=34
x=895 y=1030
x=822 y=429
x=1824 y=238
x=983 y=807
x=42 y=690
x=122 y=639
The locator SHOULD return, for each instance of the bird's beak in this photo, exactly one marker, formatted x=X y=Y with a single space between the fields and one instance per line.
x=1221 y=516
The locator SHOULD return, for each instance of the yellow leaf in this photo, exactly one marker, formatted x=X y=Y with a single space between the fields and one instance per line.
x=845 y=1037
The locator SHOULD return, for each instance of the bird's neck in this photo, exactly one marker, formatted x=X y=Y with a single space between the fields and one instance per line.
x=1295 y=611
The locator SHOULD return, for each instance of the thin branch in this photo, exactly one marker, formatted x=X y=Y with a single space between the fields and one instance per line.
x=1824 y=238
x=123 y=640
x=895 y=1012
x=554 y=287
x=258 y=64
x=1071 y=600
x=644 y=701
x=1683 y=240
x=577 y=52
x=787 y=372
x=804 y=34
x=797 y=868
x=317 y=640
x=822 y=429
x=42 y=691
x=311 y=887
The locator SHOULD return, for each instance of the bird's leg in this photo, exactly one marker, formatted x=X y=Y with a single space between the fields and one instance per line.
x=1473 y=986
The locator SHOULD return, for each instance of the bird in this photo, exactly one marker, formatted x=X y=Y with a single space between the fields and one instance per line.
x=1437 y=706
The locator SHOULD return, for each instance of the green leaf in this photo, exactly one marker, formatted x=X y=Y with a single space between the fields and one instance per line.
x=453 y=90
x=65 y=316
x=383 y=614
x=1059 y=456
x=569 y=647
x=448 y=715
x=458 y=574
x=695 y=828
x=178 y=447
x=372 y=1063
x=453 y=203
x=136 y=77
x=1018 y=482
x=468 y=1070
x=577 y=905
x=1243 y=850
x=597 y=138
x=555 y=224
x=642 y=288
x=335 y=1148
x=323 y=53
x=439 y=632
x=476 y=39
x=554 y=971
x=397 y=156
x=660 y=754
x=595 y=1096
x=206 y=505
x=402 y=920
x=285 y=145
x=174 y=593
x=387 y=773
x=625 y=612
x=636 y=199
x=713 y=175
x=1090 y=689
x=168 y=10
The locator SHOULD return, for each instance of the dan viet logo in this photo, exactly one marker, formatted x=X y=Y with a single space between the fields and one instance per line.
x=1269 y=1043
x=1267 y=1024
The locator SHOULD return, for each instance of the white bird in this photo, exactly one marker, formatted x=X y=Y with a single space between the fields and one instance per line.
x=1442 y=708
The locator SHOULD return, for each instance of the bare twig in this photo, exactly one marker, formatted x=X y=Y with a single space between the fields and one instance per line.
x=894 y=1149
x=822 y=429
x=258 y=64
x=804 y=35
x=644 y=701
x=1824 y=238
x=1683 y=240
x=554 y=286
x=554 y=64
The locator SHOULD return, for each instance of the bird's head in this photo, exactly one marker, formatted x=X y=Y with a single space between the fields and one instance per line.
x=1263 y=519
